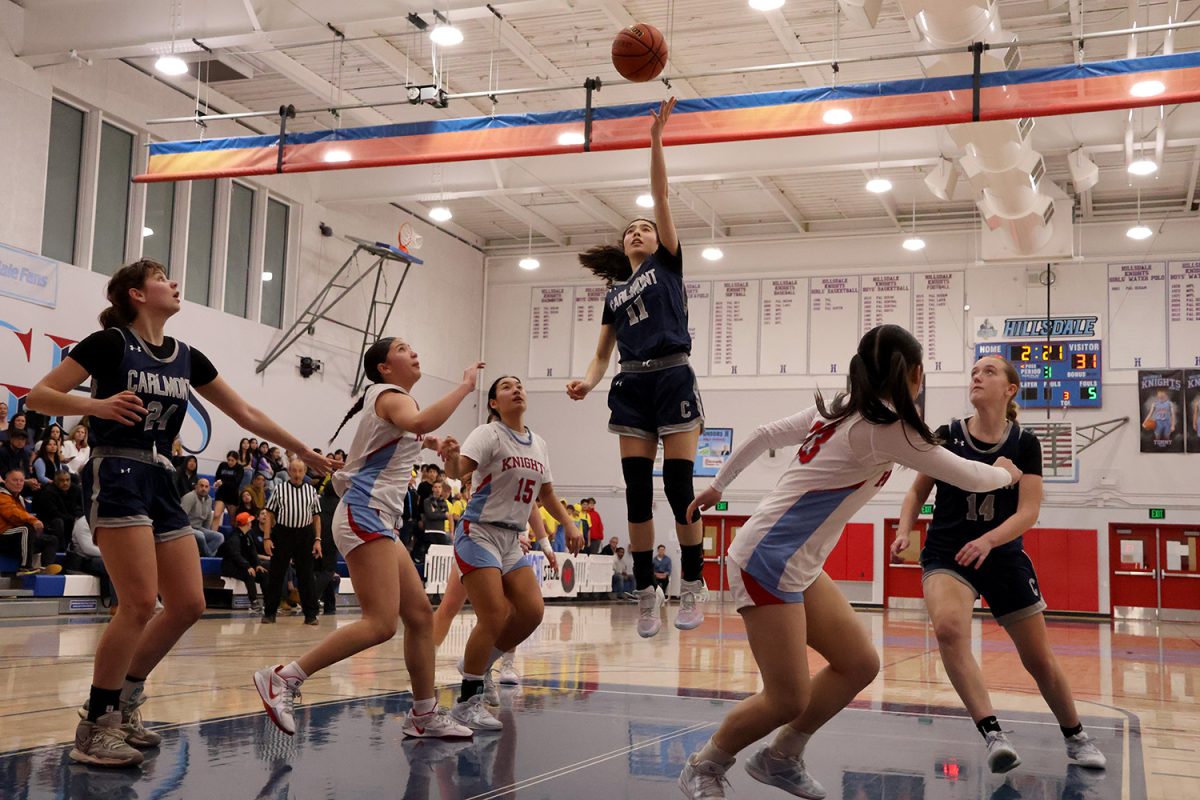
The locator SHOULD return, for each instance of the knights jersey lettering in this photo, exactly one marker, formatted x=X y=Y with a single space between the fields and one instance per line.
x=649 y=311
x=380 y=460
x=511 y=470
x=960 y=516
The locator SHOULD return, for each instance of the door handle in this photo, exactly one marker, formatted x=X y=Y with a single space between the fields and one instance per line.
x=1148 y=574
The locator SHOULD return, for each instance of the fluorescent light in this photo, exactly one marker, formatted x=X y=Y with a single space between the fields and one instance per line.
x=1147 y=88
x=837 y=116
x=967 y=307
x=712 y=253
x=529 y=262
x=913 y=244
x=336 y=156
x=766 y=5
x=1139 y=232
x=147 y=231
x=171 y=65
x=879 y=185
x=645 y=201
x=266 y=276
x=1142 y=167
x=446 y=35
x=570 y=138
x=440 y=214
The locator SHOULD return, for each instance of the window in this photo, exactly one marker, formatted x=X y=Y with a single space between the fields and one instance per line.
x=156 y=232
x=62 y=182
x=275 y=264
x=237 y=262
x=200 y=242
x=112 y=199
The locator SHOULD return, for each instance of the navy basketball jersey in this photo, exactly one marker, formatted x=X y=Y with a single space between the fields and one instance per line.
x=959 y=516
x=649 y=311
x=161 y=383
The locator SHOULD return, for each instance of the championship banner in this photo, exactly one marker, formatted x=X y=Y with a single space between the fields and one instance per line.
x=1160 y=404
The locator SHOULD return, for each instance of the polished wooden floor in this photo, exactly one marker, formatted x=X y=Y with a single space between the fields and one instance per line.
x=1137 y=684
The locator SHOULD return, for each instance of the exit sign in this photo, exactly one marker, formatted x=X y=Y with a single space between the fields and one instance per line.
x=1158 y=513
x=927 y=508
x=722 y=505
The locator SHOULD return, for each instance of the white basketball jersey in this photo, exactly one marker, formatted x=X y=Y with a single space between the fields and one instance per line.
x=381 y=459
x=510 y=473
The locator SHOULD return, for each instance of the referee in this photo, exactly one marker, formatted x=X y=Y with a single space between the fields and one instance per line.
x=293 y=534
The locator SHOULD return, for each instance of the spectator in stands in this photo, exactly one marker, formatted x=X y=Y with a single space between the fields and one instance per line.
x=582 y=522
x=58 y=505
x=455 y=502
x=262 y=523
x=47 y=463
x=14 y=454
x=83 y=555
x=261 y=461
x=227 y=483
x=326 y=577
x=258 y=489
x=411 y=514
x=662 y=568
x=198 y=505
x=18 y=423
x=186 y=475
x=178 y=456
x=245 y=505
x=294 y=535
x=52 y=433
x=277 y=462
x=595 y=525
x=76 y=451
x=552 y=528
x=21 y=533
x=239 y=559
x=3 y=419
x=610 y=549
x=436 y=513
x=622 y=581
x=244 y=452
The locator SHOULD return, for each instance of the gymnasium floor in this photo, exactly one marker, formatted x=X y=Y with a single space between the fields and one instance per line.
x=602 y=714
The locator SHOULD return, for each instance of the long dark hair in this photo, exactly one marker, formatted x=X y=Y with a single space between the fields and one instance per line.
x=375 y=356
x=52 y=462
x=122 y=311
x=608 y=262
x=493 y=414
x=879 y=372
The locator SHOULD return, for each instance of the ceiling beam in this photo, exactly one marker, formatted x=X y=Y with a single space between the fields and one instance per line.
x=1195 y=173
x=887 y=200
x=539 y=223
x=519 y=46
x=701 y=209
x=793 y=47
x=387 y=55
x=422 y=211
x=597 y=208
x=782 y=202
x=295 y=71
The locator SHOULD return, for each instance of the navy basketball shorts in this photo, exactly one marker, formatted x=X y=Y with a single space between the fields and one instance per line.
x=124 y=493
x=649 y=405
x=1006 y=580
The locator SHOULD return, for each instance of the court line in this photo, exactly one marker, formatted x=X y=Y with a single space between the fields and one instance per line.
x=594 y=760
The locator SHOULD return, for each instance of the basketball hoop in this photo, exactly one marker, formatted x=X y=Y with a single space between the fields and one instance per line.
x=409 y=239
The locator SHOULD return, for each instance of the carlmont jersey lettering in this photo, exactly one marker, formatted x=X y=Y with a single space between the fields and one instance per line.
x=380 y=460
x=162 y=384
x=649 y=311
x=511 y=470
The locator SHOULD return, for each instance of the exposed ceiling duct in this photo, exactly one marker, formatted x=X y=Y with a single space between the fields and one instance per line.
x=1023 y=214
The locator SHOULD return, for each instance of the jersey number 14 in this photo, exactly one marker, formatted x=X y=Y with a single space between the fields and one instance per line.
x=985 y=511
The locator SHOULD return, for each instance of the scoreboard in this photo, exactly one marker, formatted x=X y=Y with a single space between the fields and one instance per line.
x=1054 y=373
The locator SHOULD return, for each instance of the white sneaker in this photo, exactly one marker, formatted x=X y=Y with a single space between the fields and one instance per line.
x=279 y=696
x=703 y=780
x=650 y=602
x=474 y=715
x=437 y=724
x=491 y=693
x=1002 y=756
x=788 y=774
x=692 y=595
x=1082 y=750
x=508 y=671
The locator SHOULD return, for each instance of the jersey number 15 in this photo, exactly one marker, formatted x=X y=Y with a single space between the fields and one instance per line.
x=524 y=490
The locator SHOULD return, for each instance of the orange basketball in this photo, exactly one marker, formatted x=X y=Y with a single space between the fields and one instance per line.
x=1149 y=425
x=639 y=52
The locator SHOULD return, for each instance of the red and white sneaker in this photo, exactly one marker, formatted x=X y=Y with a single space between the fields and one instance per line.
x=437 y=724
x=279 y=696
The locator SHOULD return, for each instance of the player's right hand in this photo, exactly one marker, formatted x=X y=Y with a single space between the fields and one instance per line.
x=471 y=375
x=123 y=407
x=704 y=501
x=899 y=545
x=1009 y=467
x=577 y=390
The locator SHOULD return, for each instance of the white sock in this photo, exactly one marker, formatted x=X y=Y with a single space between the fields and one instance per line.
x=293 y=672
x=422 y=707
x=710 y=752
x=131 y=691
x=789 y=743
x=508 y=657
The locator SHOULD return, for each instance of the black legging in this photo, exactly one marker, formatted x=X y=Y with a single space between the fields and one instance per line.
x=291 y=545
x=25 y=543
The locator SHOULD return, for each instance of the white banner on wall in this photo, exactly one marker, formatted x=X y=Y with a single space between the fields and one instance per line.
x=833 y=322
x=886 y=300
x=735 y=328
x=784 y=327
x=1183 y=313
x=699 y=294
x=938 y=300
x=585 y=327
x=1137 y=295
x=28 y=277
x=550 y=332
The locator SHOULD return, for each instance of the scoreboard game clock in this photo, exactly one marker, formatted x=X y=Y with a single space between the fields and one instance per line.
x=1054 y=373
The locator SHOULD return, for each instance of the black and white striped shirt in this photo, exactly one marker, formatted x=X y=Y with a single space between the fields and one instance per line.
x=294 y=506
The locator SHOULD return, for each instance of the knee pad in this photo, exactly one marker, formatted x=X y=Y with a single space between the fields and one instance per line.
x=639 y=488
x=677 y=483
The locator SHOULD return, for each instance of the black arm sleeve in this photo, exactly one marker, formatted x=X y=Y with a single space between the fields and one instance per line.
x=1029 y=454
x=97 y=349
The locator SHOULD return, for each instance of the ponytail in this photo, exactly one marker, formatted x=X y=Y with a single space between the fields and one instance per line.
x=376 y=354
x=607 y=262
x=122 y=312
x=879 y=373
x=354 y=409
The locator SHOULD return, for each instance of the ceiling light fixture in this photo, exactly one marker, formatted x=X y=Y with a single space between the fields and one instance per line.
x=171 y=64
x=913 y=243
x=266 y=276
x=645 y=201
x=147 y=231
x=766 y=5
x=712 y=253
x=1139 y=231
x=879 y=185
x=446 y=35
x=1142 y=167
x=440 y=214
x=529 y=262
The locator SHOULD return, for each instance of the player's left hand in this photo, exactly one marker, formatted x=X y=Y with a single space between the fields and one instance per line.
x=661 y=116
x=432 y=443
x=552 y=560
x=973 y=553
x=449 y=449
x=523 y=540
x=320 y=464
x=574 y=540
x=704 y=501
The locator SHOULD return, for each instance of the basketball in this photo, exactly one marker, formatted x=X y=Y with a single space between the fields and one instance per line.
x=639 y=52
x=1149 y=425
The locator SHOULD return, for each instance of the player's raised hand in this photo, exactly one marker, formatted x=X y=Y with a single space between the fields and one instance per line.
x=471 y=375
x=578 y=389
